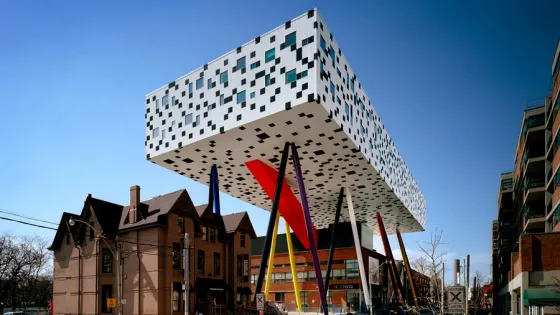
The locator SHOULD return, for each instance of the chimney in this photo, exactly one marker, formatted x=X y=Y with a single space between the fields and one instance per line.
x=134 y=202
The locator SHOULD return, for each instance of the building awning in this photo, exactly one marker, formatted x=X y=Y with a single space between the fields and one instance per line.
x=209 y=284
x=541 y=297
x=244 y=290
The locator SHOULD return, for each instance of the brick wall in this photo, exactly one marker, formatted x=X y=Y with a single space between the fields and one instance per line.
x=539 y=252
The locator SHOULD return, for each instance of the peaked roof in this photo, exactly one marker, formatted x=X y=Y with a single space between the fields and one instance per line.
x=239 y=221
x=63 y=227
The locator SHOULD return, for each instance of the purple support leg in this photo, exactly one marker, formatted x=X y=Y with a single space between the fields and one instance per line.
x=309 y=226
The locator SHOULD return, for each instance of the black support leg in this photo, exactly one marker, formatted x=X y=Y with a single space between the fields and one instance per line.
x=331 y=251
x=272 y=219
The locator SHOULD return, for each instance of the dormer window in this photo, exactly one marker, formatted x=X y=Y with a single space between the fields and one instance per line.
x=242 y=240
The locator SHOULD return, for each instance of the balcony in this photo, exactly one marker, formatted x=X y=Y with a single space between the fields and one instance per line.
x=532 y=122
x=533 y=186
x=507 y=184
x=533 y=219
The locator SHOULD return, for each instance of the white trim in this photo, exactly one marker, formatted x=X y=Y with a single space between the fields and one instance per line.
x=365 y=286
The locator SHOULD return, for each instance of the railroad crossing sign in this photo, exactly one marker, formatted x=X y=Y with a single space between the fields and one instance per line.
x=260 y=302
x=456 y=299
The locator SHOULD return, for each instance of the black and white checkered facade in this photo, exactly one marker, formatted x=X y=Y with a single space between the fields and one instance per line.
x=290 y=84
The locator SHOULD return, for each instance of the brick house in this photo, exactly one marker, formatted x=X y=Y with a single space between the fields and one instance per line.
x=148 y=236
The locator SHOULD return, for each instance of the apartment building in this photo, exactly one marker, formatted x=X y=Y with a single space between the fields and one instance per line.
x=344 y=288
x=526 y=261
x=147 y=238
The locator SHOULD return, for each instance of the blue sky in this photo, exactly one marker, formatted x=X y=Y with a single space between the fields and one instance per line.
x=450 y=80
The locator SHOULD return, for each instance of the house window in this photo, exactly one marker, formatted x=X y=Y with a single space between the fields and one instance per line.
x=204 y=233
x=323 y=44
x=188 y=119
x=200 y=262
x=242 y=240
x=91 y=231
x=176 y=293
x=106 y=260
x=269 y=55
x=291 y=76
x=267 y=80
x=199 y=83
x=176 y=256
x=190 y=87
x=241 y=97
x=279 y=297
x=252 y=95
x=290 y=39
x=216 y=264
x=223 y=77
x=241 y=63
x=106 y=293
x=212 y=235
x=155 y=132
x=165 y=100
x=181 y=225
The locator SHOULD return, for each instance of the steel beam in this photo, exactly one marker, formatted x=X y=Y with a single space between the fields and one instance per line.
x=310 y=234
x=216 y=189
x=272 y=219
x=333 y=236
x=395 y=281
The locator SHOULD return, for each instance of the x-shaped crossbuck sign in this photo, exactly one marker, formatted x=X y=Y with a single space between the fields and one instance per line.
x=455 y=296
x=259 y=299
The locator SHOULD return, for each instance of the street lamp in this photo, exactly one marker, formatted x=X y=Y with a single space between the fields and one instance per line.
x=116 y=256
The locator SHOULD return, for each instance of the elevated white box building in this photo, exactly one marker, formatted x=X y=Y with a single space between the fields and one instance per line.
x=290 y=84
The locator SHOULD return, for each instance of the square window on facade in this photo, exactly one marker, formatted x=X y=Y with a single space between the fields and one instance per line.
x=189 y=119
x=155 y=133
x=304 y=74
x=290 y=39
x=267 y=80
x=204 y=233
x=223 y=77
x=332 y=88
x=190 y=87
x=106 y=260
x=199 y=83
x=242 y=240
x=253 y=65
x=241 y=97
x=209 y=84
x=212 y=234
x=269 y=55
x=172 y=100
x=165 y=100
x=291 y=76
x=252 y=95
x=241 y=63
x=163 y=133
x=157 y=104
x=197 y=120
x=323 y=44
x=222 y=99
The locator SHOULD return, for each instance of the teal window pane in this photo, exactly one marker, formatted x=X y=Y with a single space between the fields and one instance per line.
x=346 y=109
x=320 y=66
x=269 y=55
x=224 y=77
x=323 y=44
x=304 y=74
x=338 y=72
x=252 y=95
x=338 y=100
x=352 y=85
x=199 y=83
x=241 y=63
x=290 y=39
x=253 y=65
x=291 y=76
x=241 y=97
x=331 y=52
x=332 y=88
x=267 y=80
x=347 y=78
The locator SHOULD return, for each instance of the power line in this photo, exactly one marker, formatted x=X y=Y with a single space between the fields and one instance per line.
x=25 y=217
x=27 y=223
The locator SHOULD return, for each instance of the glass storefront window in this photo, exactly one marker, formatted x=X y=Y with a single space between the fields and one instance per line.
x=352 y=269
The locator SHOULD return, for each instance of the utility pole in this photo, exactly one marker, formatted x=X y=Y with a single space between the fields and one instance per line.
x=468 y=280
x=442 y=288
x=119 y=287
x=186 y=257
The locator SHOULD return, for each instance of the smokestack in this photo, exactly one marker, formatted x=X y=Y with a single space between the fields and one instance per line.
x=457 y=272
x=134 y=202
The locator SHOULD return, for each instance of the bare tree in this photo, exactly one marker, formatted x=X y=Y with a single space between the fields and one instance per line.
x=421 y=265
x=476 y=291
x=434 y=258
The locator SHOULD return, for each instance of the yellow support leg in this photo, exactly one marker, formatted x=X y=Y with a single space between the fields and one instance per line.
x=293 y=266
x=271 y=257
